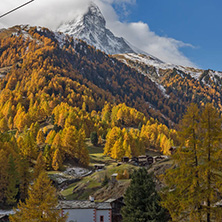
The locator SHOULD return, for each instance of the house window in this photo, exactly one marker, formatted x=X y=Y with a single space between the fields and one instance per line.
x=101 y=218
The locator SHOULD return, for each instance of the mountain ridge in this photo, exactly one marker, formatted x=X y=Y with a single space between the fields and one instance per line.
x=91 y=27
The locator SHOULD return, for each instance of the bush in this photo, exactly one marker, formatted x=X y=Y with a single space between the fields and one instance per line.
x=94 y=138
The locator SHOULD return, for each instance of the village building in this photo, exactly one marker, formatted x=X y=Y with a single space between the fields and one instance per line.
x=116 y=205
x=158 y=158
x=150 y=160
x=99 y=166
x=4 y=215
x=4 y=218
x=113 y=177
x=142 y=160
x=125 y=159
x=86 y=211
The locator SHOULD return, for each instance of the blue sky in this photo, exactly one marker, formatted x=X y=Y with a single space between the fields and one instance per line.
x=197 y=22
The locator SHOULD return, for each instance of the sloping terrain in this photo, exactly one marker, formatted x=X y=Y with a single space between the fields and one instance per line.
x=58 y=68
x=186 y=83
x=91 y=27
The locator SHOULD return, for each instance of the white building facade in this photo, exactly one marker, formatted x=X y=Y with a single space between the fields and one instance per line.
x=86 y=211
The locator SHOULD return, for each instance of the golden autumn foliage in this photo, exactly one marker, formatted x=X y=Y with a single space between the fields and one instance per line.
x=77 y=90
x=134 y=142
x=41 y=203
x=42 y=75
x=194 y=184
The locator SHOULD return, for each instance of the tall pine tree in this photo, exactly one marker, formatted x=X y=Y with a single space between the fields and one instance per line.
x=12 y=188
x=142 y=200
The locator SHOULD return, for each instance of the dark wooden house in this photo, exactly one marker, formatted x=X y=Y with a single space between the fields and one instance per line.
x=4 y=218
x=125 y=159
x=158 y=158
x=150 y=160
x=116 y=205
x=142 y=160
x=99 y=166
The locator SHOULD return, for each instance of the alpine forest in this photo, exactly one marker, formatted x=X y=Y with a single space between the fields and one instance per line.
x=77 y=122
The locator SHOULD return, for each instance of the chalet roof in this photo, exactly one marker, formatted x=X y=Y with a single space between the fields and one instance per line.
x=142 y=156
x=114 y=199
x=110 y=200
x=114 y=175
x=3 y=216
x=83 y=204
x=99 y=164
x=6 y=212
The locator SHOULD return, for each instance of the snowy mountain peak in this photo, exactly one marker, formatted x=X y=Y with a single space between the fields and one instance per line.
x=95 y=14
x=91 y=27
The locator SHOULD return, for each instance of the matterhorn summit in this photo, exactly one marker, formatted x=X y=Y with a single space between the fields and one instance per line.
x=91 y=27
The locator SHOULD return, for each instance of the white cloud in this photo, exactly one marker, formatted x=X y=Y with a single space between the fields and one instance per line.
x=166 y=49
x=51 y=13
x=48 y=13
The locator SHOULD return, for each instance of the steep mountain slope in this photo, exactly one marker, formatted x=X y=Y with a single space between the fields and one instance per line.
x=143 y=62
x=50 y=68
x=91 y=27
x=187 y=83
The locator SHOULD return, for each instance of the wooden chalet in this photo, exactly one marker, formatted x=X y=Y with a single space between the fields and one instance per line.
x=116 y=205
x=150 y=160
x=4 y=218
x=125 y=159
x=142 y=160
x=158 y=158
x=99 y=166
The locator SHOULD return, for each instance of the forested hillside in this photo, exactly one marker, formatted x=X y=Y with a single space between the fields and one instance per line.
x=56 y=91
x=48 y=68
x=187 y=84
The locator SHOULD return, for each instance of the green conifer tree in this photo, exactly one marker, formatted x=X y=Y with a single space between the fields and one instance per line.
x=24 y=177
x=3 y=177
x=94 y=138
x=12 y=189
x=142 y=200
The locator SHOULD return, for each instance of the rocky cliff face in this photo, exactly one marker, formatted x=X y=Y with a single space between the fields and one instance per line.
x=91 y=27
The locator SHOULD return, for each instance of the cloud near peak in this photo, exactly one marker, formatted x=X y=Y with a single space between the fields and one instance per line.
x=164 y=48
x=52 y=13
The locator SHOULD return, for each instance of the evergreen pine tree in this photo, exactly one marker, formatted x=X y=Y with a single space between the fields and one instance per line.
x=12 y=189
x=3 y=176
x=142 y=200
x=24 y=176
x=94 y=138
